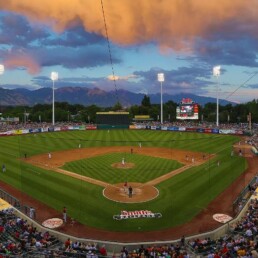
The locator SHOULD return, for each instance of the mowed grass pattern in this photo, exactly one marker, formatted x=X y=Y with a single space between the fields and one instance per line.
x=145 y=168
x=181 y=197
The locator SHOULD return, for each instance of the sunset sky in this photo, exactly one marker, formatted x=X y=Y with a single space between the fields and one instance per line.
x=184 y=39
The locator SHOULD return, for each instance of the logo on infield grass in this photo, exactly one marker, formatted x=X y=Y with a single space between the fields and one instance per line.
x=137 y=215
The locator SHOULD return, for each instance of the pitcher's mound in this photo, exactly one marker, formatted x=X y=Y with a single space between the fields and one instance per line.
x=123 y=166
x=141 y=193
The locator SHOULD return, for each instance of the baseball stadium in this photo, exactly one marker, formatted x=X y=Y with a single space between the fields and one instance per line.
x=140 y=185
x=113 y=176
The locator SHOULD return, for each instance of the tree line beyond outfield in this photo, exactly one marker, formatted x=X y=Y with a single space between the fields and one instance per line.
x=79 y=113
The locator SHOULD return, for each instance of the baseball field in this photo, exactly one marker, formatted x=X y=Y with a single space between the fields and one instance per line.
x=173 y=174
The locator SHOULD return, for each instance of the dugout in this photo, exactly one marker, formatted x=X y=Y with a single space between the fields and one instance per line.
x=112 y=120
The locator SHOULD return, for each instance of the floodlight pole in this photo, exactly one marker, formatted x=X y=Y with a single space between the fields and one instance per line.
x=53 y=104
x=216 y=73
x=161 y=79
x=217 y=113
x=54 y=77
x=161 y=104
x=1 y=72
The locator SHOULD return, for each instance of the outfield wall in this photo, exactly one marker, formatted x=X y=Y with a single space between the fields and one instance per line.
x=132 y=127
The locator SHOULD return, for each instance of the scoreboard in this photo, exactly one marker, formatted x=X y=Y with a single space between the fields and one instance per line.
x=112 y=118
x=187 y=110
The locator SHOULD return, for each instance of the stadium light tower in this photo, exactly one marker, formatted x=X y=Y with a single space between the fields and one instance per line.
x=161 y=79
x=1 y=69
x=216 y=73
x=1 y=72
x=54 y=77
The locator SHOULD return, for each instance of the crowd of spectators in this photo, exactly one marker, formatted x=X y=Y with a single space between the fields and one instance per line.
x=241 y=241
x=253 y=140
x=18 y=237
x=177 y=250
x=80 y=249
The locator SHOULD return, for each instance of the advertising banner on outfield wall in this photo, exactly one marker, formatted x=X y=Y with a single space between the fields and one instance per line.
x=226 y=131
x=200 y=130
x=64 y=128
x=191 y=129
x=172 y=128
x=17 y=131
x=215 y=130
x=137 y=127
x=35 y=130
x=207 y=130
x=91 y=127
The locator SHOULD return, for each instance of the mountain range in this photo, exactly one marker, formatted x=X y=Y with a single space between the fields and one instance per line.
x=87 y=97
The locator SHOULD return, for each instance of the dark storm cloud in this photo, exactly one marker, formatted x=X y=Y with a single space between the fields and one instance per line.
x=236 y=43
x=92 y=56
x=17 y=31
x=75 y=37
x=74 y=48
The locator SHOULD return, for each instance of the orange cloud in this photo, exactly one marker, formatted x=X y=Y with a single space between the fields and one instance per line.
x=173 y=24
x=125 y=78
x=22 y=60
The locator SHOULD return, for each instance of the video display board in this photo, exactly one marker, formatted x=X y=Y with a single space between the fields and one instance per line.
x=187 y=110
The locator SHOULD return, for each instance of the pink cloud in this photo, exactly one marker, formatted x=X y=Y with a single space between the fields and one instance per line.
x=22 y=60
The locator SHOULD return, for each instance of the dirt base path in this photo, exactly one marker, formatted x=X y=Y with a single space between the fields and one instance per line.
x=201 y=223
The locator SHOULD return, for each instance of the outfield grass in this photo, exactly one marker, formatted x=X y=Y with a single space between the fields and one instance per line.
x=181 y=197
